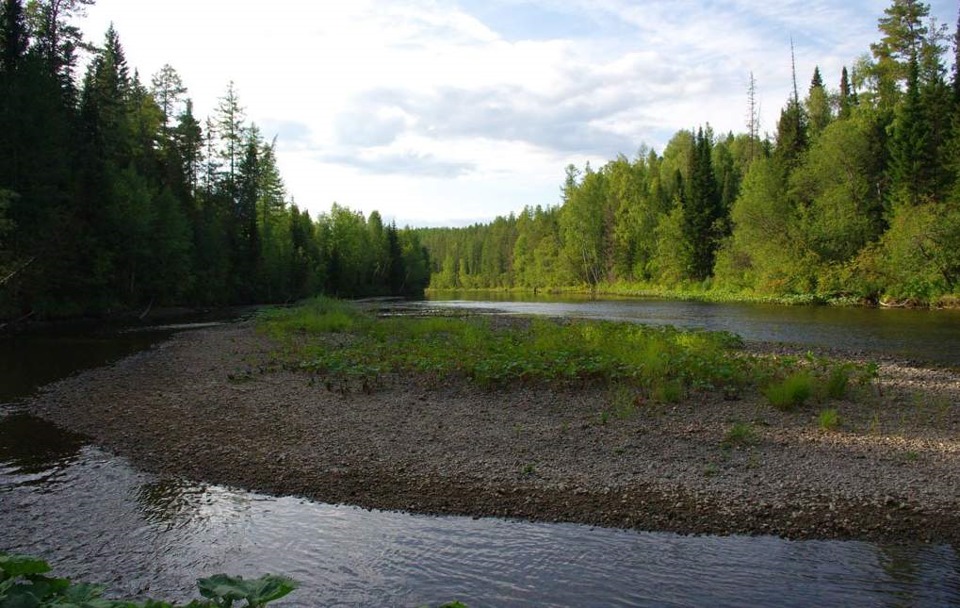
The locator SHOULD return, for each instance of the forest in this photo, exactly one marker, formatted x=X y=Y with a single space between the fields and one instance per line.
x=855 y=197
x=114 y=196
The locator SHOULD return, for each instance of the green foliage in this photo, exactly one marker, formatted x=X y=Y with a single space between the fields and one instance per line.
x=739 y=435
x=24 y=584
x=828 y=420
x=918 y=258
x=660 y=362
x=623 y=401
x=791 y=392
x=223 y=590
x=703 y=216
x=837 y=381
x=122 y=200
x=824 y=213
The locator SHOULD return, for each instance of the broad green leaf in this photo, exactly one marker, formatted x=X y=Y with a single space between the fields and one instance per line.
x=22 y=565
x=267 y=588
x=223 y=587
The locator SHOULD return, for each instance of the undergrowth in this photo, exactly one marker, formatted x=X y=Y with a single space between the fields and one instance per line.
x=662 y=364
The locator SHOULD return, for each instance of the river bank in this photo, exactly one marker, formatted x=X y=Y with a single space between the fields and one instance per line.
x=209 y=405
x=708 y=294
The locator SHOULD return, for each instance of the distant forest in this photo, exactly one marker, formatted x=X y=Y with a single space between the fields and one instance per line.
x=855 y=197
x=114 y=196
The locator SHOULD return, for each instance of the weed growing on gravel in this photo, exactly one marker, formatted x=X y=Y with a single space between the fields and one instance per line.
x=791 y=392
x=740 y=434
x=623 y=401
x=870 y=374
x=829 y=420
x=348 y=348
x=837 y=382
x=667 y=392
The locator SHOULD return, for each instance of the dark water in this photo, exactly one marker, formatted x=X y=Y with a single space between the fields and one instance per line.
x=926 y=335
x=96 y=518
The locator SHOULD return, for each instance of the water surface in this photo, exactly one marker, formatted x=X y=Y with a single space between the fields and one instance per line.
x=96 y=518
x=926 y=335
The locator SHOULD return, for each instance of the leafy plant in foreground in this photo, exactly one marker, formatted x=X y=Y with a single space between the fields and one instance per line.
x=24 y=583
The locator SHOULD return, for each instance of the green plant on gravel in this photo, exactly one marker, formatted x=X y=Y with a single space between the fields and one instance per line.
x=24 y=582
x=870 y=374
x=346 y=348
x=667 y=392
x=740 y=434
x=791 y=392
x=623 y=401
x=837 y=381
x=828 y=420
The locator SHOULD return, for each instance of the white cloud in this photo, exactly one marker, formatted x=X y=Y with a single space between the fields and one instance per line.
x=429 y=113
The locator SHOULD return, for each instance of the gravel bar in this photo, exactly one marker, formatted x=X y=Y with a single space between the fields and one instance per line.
x=209 y=406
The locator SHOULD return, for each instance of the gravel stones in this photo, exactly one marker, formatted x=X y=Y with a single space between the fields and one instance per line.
x=208 y=406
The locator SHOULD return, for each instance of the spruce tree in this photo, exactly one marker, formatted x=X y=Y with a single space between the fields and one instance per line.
x=910 y=160
x=13 y=37
x=956 y=64
x=791 y=138
x=702 y=209
x=818 y=104
x=246 y=242
x=845 y=101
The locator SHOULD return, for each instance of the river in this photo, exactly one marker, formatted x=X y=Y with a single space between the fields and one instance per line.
x=924 y=335
x=96 y=518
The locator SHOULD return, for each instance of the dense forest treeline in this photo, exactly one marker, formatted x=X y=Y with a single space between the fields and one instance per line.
x=114 y=195
x=856 y=196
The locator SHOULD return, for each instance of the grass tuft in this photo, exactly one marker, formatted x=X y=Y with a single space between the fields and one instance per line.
x=740 y=434
x=793 y=391
x=829 y=420
x=837 y=382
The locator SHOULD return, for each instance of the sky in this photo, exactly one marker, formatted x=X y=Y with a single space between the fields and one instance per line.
x=447 y=113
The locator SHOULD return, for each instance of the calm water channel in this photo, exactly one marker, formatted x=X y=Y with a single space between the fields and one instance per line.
x=926 y=335
x=97 y=518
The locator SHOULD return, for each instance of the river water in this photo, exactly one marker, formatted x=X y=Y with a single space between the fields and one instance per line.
x=96 y=518
x=925 y=335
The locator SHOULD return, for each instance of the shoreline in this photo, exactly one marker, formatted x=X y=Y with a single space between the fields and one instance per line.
x=212 y=405
x=627 y=291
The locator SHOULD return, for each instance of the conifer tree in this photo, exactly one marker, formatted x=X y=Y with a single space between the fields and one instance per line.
x=845 y=101
x=246 y=243
x=13 y=36
x=955 y=84
x=229 y=121
x=818 y=105
x=910 y=161
x=169 y=91
x=702 y=209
